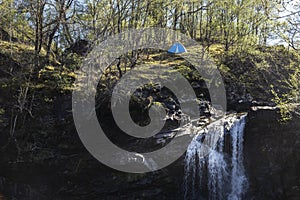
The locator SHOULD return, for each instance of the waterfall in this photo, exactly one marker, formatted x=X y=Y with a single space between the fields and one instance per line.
x=214 y=161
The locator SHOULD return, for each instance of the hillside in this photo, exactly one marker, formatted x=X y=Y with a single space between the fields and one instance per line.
x=259 y=76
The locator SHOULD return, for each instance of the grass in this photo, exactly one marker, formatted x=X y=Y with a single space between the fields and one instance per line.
x=21 y=53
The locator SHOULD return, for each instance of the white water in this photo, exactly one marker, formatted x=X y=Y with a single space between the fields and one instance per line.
x=211 y=172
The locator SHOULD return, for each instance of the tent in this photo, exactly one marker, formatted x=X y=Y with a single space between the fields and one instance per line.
x=177 y=48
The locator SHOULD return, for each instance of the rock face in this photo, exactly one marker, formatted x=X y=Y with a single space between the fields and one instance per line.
x=271 y=161
x=80 y=47
x=272 y=158
x=4 y=35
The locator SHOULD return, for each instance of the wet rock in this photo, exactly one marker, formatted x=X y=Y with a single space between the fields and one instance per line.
x=204 y=108
x=272 y=155
x=257 y=108
x=80 y=47
x=4 y=35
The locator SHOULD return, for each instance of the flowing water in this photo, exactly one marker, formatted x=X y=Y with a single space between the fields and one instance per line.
x=214 y=161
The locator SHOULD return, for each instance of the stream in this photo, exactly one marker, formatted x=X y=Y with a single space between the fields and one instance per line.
x=221 y=173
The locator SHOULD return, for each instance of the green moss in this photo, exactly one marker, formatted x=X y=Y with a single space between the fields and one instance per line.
x=224 y=68
x=2 y=112
x=158 y=104
x=50 y=68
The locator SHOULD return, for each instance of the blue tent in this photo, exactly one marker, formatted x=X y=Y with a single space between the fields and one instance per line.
x=177 y=48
